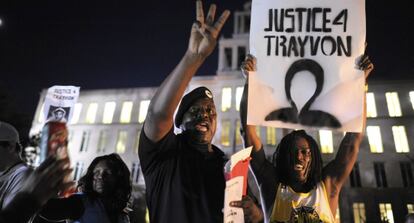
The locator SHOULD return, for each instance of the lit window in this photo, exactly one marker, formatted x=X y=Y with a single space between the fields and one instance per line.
x=84 y=141
x=76 y=113
x=126 y=112
x=102 y=141
x=225 y=99
x=143 y=109
x=78 y=171
x=239 y=93
x=121 y=142
x=270 y=136
x=412 y=98
x=91 y=113
x=374 y=139
x=407 y=174
x=380 y=176
x=258 y=130
x=386 y=212
x=325 y=137
x=136 y=147
x=400 y=139
x=371 y=107
x=225 y=133
x=359 y=212
x=410 y=208
x=394 y=108
x=108 y=112
x=237 y=133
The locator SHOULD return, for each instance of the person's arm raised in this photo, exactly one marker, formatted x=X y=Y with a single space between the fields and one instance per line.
x=249 y=133
x=203 y=38
x=338 y=170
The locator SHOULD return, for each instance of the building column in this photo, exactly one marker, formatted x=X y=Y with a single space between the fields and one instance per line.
x=234 y=58
x=221 y=57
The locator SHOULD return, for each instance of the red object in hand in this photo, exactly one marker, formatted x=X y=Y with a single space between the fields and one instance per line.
x=54 y=141
x=241 y=169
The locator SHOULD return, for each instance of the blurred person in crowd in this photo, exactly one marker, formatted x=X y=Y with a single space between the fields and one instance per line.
x=104 y=193
x=13 y=171
x=409 y=218
x=43 y=183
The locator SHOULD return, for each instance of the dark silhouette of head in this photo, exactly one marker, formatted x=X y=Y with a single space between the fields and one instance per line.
x=285 y=160
x=119 y=188
x=10 y=147
x=409 y=218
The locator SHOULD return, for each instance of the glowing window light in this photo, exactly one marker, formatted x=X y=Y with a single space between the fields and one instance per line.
x=91 y=113
x=371 y=107
x=225 y=133
x=121 y=142
x=225 y=99
x=386 y=212
x=126 y=112
x=325 y=137
x=239 y=93
x=109 y=111
x=393 y=103
x=359 y=212
x=374 y=139
x=400 y=139
x=270 y=136
x=143 y=109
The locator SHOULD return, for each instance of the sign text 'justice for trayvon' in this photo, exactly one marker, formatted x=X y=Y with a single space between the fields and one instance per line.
x=304 y=20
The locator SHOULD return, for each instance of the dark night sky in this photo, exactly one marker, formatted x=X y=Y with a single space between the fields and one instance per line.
x=116 y=44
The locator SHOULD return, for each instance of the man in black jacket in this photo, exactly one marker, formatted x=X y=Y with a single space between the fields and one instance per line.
x=184 y=173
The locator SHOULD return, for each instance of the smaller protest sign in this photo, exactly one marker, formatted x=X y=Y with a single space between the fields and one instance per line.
x=59 y=103
x=236 y=170
x=233 y=192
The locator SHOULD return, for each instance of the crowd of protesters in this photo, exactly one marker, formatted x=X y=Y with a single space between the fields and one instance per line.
x=183 y=173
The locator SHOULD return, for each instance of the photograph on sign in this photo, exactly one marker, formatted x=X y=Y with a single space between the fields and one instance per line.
x=58 y=114
x=60 y=102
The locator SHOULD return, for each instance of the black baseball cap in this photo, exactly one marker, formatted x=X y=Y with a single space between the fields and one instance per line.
x=189 y=99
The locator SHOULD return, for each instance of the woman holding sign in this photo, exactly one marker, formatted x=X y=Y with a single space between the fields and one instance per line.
x=296 y=187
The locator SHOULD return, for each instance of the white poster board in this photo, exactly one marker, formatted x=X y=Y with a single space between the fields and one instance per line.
x=306 y=52
x=233 y=192
x=60 y=102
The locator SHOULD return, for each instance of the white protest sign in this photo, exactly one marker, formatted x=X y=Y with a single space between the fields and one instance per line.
x=60 y=102
x=240 y=156
x=306 y=52
x=233 y=192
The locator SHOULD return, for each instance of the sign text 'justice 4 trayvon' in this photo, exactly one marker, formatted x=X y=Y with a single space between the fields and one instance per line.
x=303 y=20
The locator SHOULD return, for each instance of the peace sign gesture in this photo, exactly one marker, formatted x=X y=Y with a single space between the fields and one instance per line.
x=204 y=31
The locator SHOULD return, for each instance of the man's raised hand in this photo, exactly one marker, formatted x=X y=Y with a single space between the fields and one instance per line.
x=205 y=31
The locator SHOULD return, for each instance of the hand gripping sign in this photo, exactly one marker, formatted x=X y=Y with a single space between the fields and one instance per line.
x=306 y=75
x=235 y=171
